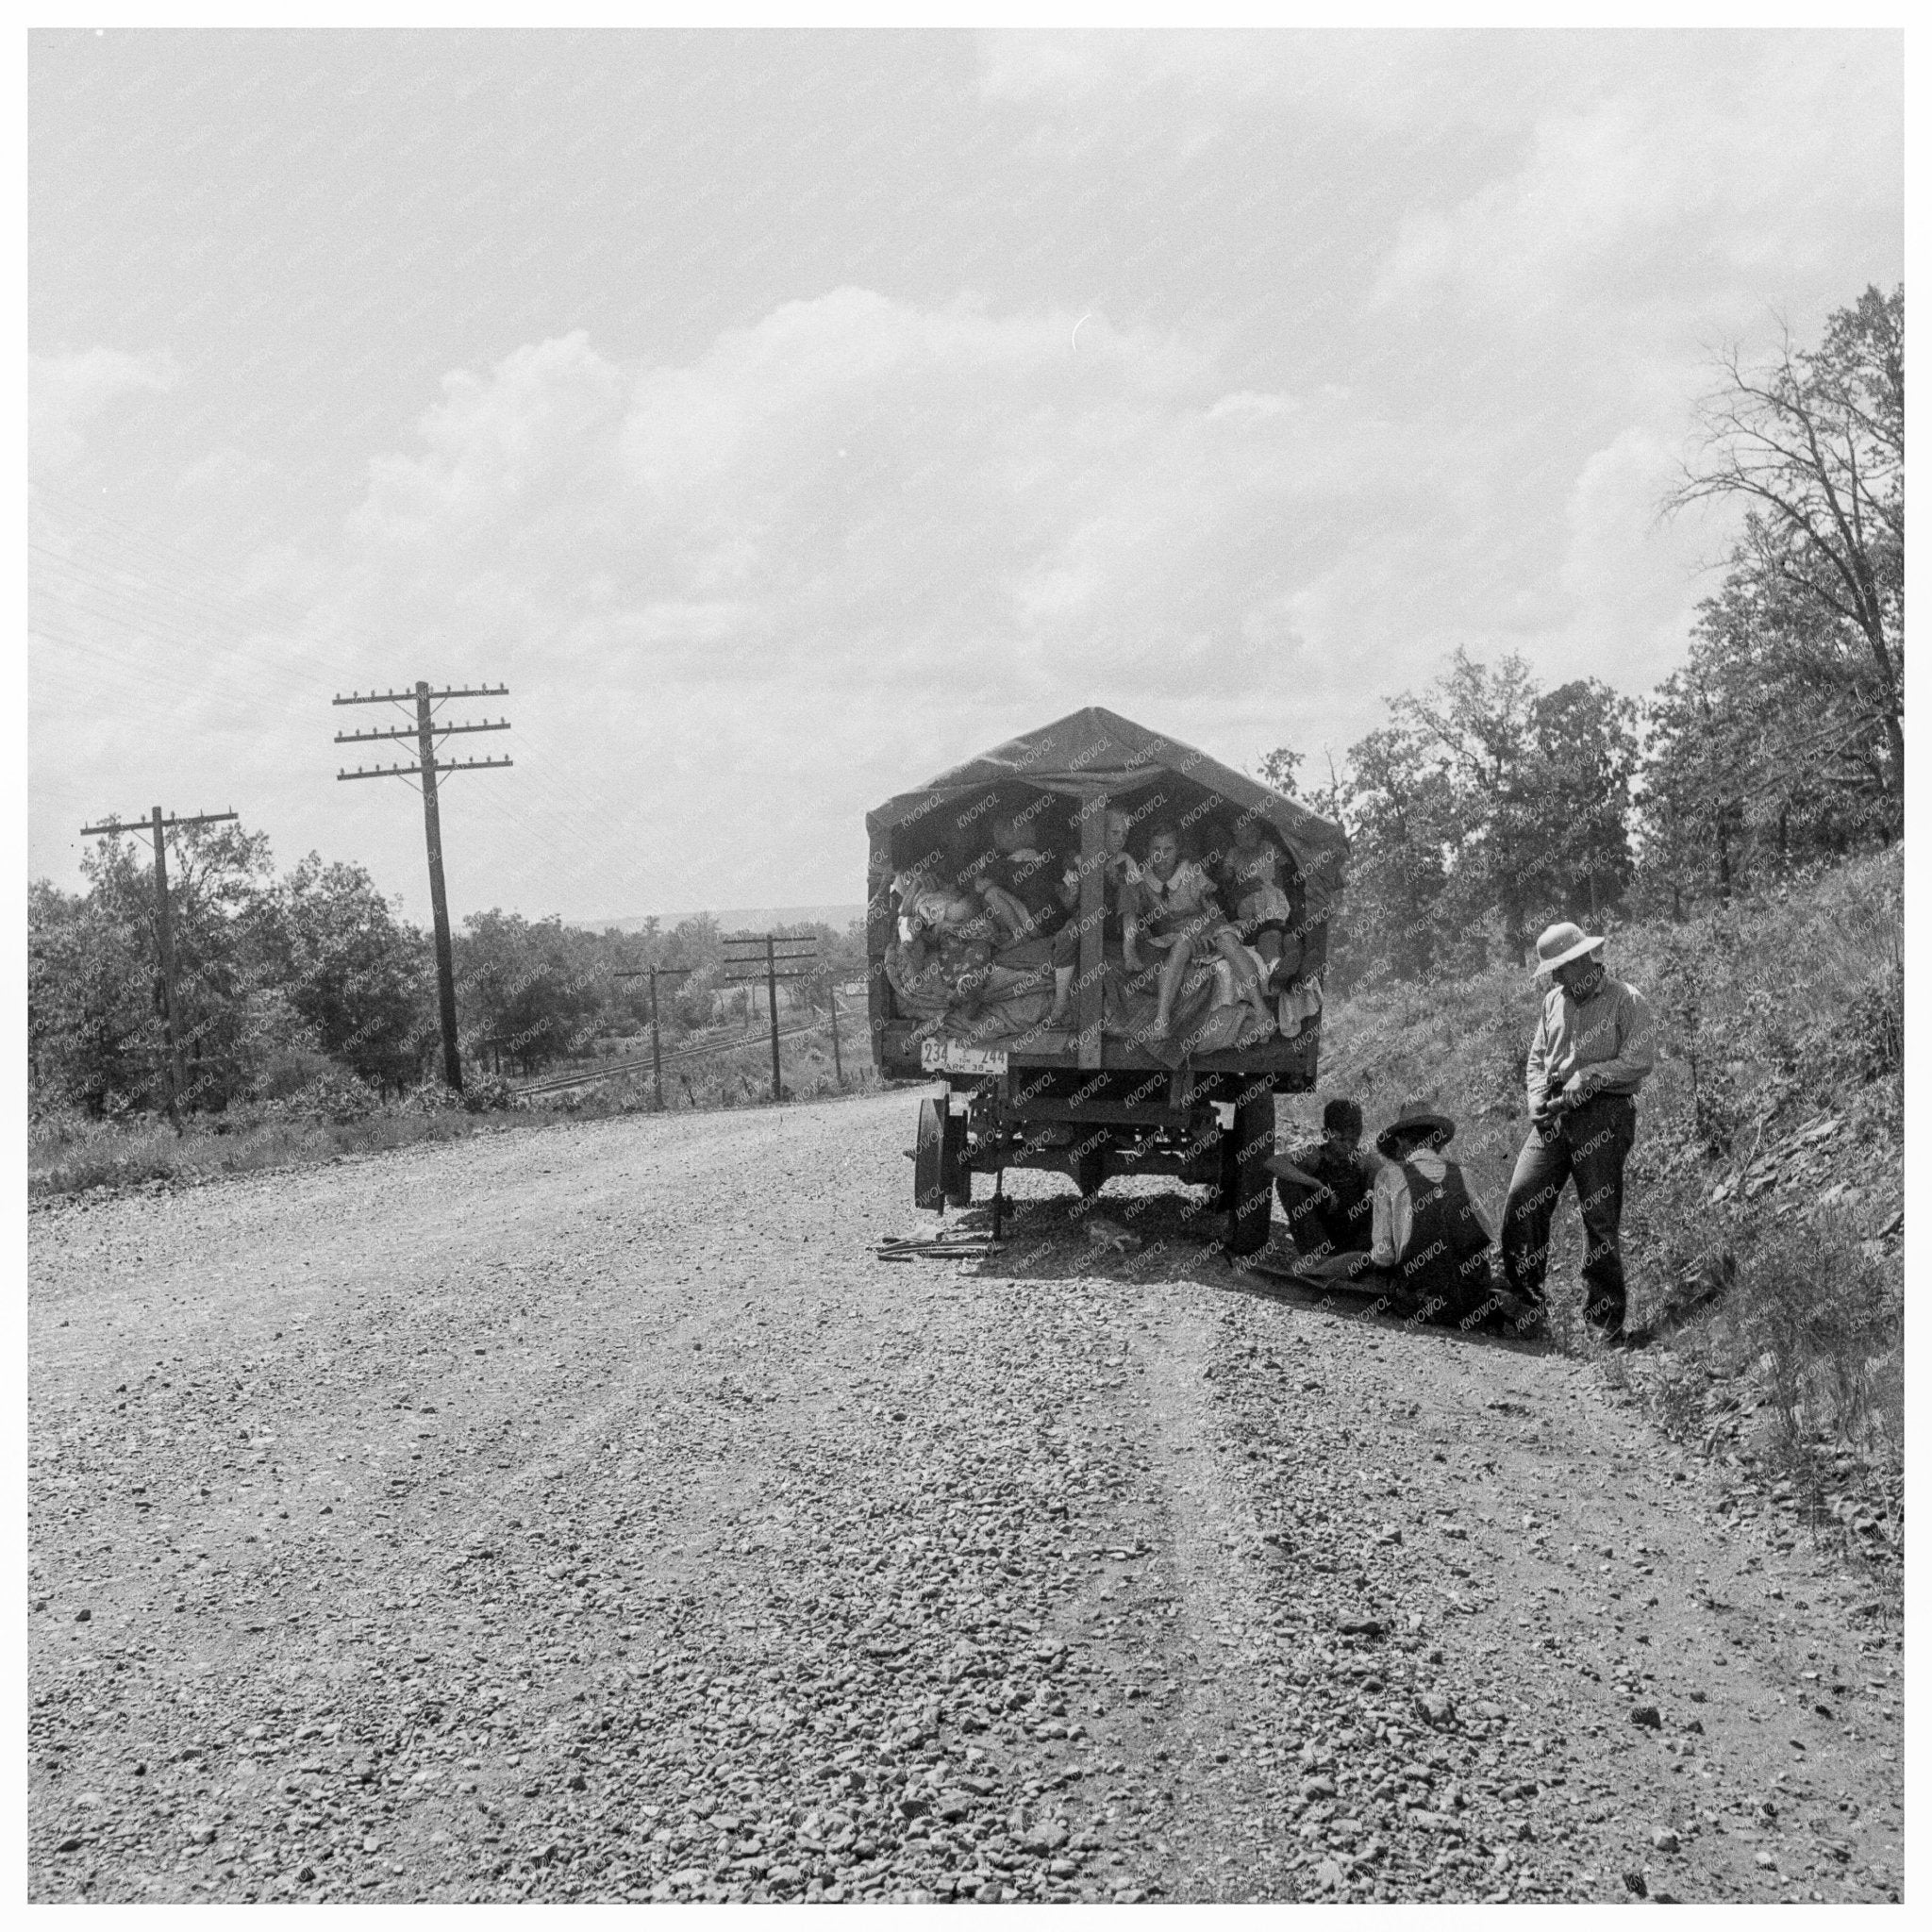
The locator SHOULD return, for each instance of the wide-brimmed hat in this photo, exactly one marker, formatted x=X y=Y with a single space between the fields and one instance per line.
x=1556 y=945
x=1420 y=1119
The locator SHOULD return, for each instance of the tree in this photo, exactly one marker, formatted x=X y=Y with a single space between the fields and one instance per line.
x=1482 y=725
x=95 y=1001
x=1583 y=754
x=1762 y=751
x=1483 y=798
x=1696 y=780
x=1813 y=445
x=93 y=1015
x=1398 y=814
x=528 y=989
x=1280 y=770
x=356 y=975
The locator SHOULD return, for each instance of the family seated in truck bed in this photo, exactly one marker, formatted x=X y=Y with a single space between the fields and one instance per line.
x=982 y=926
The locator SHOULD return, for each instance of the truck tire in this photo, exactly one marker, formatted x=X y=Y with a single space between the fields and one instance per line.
x=1250 y=1201
x=929 y=1157
x=955 y=1177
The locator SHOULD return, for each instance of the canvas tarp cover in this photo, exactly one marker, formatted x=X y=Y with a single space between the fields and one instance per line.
x=1093 y=750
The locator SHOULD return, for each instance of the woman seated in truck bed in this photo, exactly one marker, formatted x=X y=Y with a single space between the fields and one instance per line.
x=1021 y=884
x=942 y=947
x=943 y=962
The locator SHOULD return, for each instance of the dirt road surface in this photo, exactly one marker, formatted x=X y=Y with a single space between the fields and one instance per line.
x=586 y=1513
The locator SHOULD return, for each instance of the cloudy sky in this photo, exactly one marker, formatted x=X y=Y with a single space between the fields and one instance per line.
x=785 y=418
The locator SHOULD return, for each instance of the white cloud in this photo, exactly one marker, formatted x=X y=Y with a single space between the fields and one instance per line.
x=854 y=542
x=67 y=391
x=1678 y=196
x=1384 y=79
x=862 y=539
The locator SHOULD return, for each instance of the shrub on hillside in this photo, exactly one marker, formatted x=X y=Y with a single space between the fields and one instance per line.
x=488 y=1093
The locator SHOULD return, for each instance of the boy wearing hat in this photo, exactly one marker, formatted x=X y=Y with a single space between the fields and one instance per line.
x=1595 y=1046
x=1429 y=1233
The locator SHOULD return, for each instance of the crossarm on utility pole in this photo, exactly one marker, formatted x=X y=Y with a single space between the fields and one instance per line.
x=114 y=827
x=410 y=697
x=431 y=765
x=410 y=732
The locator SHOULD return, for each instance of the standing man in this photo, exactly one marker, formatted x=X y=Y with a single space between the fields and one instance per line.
x=1595 y=1044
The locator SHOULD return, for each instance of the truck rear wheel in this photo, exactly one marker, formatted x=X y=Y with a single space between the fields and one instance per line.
x=940 y=1177
x=929 y=1157
x=1250 y=1186
x=955 y=1175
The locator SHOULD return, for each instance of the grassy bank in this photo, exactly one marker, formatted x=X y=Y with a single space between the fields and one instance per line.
x=1764 y=1201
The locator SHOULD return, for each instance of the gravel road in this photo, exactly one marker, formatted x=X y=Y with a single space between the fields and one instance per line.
x=586 y=1513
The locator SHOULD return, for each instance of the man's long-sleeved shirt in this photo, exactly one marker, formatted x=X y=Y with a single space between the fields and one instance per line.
x=1394 y=1212
x=1604 y=1044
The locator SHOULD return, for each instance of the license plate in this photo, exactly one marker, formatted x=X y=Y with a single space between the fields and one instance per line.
x=950 y=1057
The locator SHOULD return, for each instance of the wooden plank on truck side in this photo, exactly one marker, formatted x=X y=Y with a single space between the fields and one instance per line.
x=1093 y=915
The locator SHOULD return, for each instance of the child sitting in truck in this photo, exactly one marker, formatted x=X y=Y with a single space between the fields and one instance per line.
x=1020 y=885
x=1174 y=906
x=1254 y=868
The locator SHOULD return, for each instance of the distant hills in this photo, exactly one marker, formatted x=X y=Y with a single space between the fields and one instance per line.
x=737 y=918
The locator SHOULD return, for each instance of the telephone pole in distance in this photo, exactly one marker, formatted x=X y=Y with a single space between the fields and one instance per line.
x=427 y=732
x=655 y=972
x=158 y=829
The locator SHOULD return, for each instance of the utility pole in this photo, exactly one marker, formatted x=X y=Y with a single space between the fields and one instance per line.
x=743 y=966
x=426 y=732
x=158 y=829
x=657 y=1057
x=832 y=1001
x=772 y=1004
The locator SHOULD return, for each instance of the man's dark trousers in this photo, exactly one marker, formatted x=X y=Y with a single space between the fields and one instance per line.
x=1589 y=1147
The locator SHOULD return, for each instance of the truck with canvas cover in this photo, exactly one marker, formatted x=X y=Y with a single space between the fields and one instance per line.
x=1001 y=895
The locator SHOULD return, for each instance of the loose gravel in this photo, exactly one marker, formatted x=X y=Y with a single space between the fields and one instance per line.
x=590 y=1515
